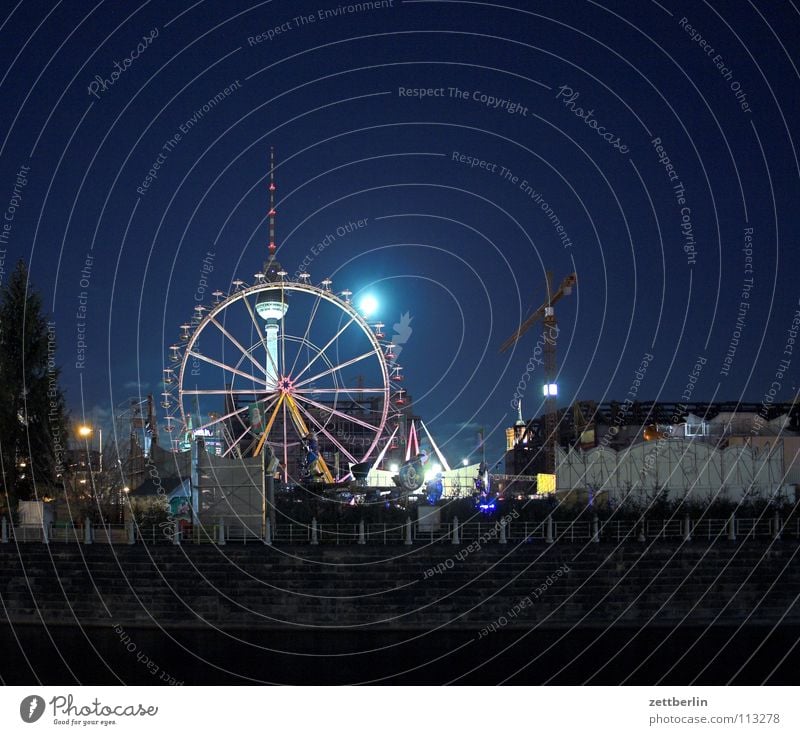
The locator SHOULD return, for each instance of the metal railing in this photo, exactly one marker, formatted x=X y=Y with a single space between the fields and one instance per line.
x=343 y=534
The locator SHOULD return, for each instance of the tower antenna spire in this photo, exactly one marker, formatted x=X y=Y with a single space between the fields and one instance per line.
x=272 y=246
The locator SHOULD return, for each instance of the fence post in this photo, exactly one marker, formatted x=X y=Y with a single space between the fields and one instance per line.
x=776 y=528
x=503 y=539
x=732 y=527
x=596 y=530
x=455 y=540
x=361 y=539
x=176 y=534
x=87 y=531
x=409 y=539
x=268 y=532
x=221 y=533
x=549 y=537
x=131 y=529
x=687 y=528
x=4 y=530
x=641 y=538
x=314 y=533
x=45 y=539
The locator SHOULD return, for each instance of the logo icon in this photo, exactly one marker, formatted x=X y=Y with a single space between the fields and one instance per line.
x=32 y=708
x=402 y=331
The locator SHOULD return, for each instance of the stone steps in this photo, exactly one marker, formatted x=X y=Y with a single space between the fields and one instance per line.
x=396 y=587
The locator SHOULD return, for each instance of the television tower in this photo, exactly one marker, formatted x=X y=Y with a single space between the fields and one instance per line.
x=271 y=305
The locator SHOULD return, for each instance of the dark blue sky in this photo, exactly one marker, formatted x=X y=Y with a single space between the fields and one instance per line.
x=463 y=249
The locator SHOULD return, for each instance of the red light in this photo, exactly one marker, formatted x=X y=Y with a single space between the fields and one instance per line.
x=272 y=187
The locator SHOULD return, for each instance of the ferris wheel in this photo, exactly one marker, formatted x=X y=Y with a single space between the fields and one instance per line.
x=283 y=364
x=276 y=362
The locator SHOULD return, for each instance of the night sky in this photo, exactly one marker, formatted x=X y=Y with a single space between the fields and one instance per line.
x=647 y=146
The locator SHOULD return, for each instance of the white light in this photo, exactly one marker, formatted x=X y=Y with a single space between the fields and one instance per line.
x=369 y=305
x=436 y=468
x=465 y=462
x=393 y=468
x=550 y=389
x=428 y=476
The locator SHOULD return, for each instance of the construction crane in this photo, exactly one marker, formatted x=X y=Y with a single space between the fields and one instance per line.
x=546 y=313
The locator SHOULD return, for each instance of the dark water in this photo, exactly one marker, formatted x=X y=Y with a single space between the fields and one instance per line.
x=619 y=655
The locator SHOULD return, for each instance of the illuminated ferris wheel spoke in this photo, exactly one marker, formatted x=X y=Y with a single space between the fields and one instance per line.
x=222 y=418
x=338 y=413
x=233 y=339
x=248 y=429
x=233 y=446
x=282 y=336
x=314 y=391
x=285 y=447
x=308 y=331
x=330 y=436
x=330 y=342
x=221 y=392
x=260 y=334
x=354 y=360
x=222 y=365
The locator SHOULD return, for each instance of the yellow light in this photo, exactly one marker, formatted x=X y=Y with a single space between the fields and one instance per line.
x=84 y=430
x=545 y=483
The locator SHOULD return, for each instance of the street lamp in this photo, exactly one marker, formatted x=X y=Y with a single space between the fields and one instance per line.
x=85 y=431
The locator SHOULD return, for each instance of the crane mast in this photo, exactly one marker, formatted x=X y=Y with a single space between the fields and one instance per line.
x=546 y=313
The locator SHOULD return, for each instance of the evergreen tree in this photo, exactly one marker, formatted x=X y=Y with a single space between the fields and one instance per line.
x=33 y=424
